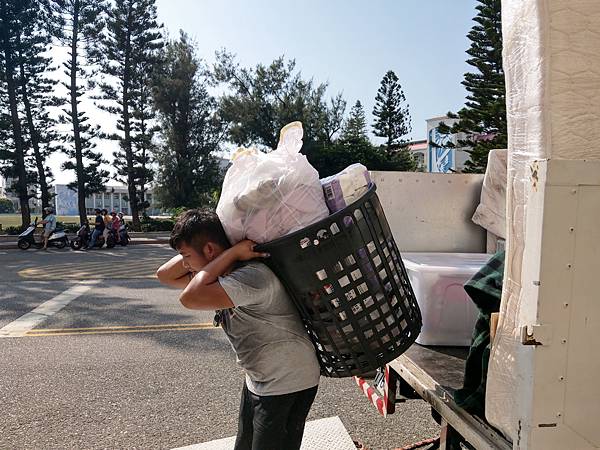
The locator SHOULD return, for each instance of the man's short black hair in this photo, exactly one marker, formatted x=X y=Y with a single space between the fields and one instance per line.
x=97 y=210
x=197 y=227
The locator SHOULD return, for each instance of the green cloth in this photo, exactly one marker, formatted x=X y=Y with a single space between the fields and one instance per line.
x=485 y=289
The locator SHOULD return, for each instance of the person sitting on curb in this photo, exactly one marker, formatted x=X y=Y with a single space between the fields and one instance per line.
x=260 y=321
x=49 y=222
x=98 y=228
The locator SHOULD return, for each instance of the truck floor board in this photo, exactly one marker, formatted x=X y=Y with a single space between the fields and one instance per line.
x=446 y=365
x=435 y=373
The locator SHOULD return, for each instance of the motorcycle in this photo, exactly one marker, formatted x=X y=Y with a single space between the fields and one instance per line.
x=84 y=236
x=123 y=235
x=58 y=238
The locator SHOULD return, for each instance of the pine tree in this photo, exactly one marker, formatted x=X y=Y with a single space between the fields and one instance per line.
x=145 y=127
x=188 y=173
x=6 y=135
x=11 y=19
x=35 y=93
x=483 y=117
x=355 y=127
x=80 y=25
x=129 y=54
x=391 y=112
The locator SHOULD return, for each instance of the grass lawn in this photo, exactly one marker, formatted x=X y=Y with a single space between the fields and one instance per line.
x=14 y=220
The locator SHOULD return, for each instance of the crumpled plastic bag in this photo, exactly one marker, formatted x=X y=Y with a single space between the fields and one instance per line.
x=268 y=195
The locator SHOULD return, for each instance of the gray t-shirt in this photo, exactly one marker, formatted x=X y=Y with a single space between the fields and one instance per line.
x=266 y=332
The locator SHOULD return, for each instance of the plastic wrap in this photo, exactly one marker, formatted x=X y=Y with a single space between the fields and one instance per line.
x=524 y=56
x=268 y=195
x=552 y=68
x=491 y=212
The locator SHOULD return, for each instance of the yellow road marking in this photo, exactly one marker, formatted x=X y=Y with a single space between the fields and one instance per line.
x=134 y=269
x=119 y=329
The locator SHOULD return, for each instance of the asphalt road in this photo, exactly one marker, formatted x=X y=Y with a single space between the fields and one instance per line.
x=124 y=366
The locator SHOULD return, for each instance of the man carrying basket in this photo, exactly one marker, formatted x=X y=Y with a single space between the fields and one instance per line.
x=261 y=322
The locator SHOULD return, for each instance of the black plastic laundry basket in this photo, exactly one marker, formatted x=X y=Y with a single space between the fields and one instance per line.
x=347 y=279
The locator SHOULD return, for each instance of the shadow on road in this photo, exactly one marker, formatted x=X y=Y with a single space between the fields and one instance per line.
x=135 y=303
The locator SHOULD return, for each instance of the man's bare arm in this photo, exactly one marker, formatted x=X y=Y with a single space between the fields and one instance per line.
x=173 y=273
x=204 y=291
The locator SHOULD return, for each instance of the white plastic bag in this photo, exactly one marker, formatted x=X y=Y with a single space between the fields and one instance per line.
x=269 y=195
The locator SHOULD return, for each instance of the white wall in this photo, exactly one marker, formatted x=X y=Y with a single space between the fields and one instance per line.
x=431 y=212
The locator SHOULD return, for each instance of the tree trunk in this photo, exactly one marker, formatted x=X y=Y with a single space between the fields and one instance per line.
x=143 y=130
x=81 y=191
x=21 y=171
x=143 y=180
x=35 y=141
x=131 y=188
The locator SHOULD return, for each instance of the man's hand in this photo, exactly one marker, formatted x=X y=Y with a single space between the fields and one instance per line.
x=244 y=251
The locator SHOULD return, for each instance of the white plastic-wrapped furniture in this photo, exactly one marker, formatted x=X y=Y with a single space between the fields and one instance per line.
x=542 y=388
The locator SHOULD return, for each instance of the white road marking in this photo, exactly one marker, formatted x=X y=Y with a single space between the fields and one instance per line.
x=26 y=322
x=328 y=433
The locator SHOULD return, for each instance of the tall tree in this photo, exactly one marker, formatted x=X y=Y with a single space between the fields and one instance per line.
x=146 y=127
x=354 y=146
x=12 y=15
x=80 y=26
x=265 y=98
x=355 y=127
x=391 y=111
x=188 y=173
x=129 y=52
x=6 y=136
x=483 y=118
x=36 y=93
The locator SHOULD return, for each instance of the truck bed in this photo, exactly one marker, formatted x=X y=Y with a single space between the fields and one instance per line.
x=435 y=373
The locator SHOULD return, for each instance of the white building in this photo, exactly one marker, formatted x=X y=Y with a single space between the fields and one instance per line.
x=35 y=205
x=433 y=155
x=440 y=158
x=2 y=186
x=115 y=198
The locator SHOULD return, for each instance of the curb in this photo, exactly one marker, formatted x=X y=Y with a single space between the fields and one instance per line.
x=13 y=245
x=148 y=241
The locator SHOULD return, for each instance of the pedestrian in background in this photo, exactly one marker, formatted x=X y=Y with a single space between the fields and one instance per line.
x=49 y=222
x=98 y=228
x=116 y=224
x=107 y=223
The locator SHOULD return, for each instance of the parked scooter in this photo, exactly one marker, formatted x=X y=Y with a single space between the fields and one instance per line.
x=57 y=239
x=83 y=239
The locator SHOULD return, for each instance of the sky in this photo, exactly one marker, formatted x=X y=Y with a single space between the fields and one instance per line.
x=347 y=44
